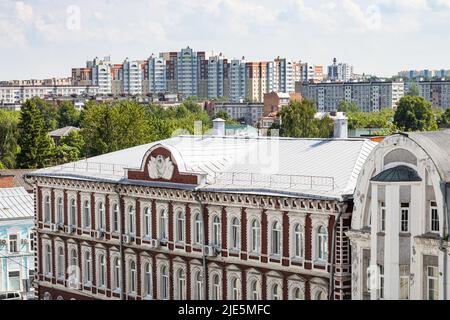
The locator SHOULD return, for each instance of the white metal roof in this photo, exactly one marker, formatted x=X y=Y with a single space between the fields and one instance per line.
x=16 y=203
x=316 y=167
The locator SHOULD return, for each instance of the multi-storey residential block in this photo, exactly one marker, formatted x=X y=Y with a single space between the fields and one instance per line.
x=132 y=77
x=187 y=72
x=310 y=73
x=340 y=71
x=171 y=70
x=200 y=218
x=157 y=71
x=259 y=80
x=415 y=74
x=237 y=80
x=101 y=74
x=399 y=231
x=436 y=92
x=275 y=101
x=218 y=77
x=369 y=96
x=241 y=111
x=283 y=76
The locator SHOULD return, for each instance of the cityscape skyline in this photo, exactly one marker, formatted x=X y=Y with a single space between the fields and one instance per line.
x=64 y=34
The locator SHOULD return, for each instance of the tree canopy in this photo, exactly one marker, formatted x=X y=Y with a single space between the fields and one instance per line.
x=415 y=114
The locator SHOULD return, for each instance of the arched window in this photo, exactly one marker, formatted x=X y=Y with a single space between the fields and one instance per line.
x=115 y=218
x=147 y=280
x=101 y=216
x=322 y=244
x=60 y=210
x=235 y=234
x=164 y=283
x=61 y=262
x=132 y=279
x=297 y=294
x=87 y=267
x=276 y=238
x=216 y=231
x=74 y=258
x=101 y=271
x=47 y=296
x=116 y=274
x=73 y=212
x=320 y=295
x=235 y=289
x=198 y=286
x=254 y=291
x=147 y=221
x=298 y=241
x=163 y=224
x=131 y=219
x=255 y=238
x=180 y=227
x=86 y=214
x=48 y=259
x=216 y=287
x=276 y=292
x=47 y=214
x=181 y=285
x=198 y=229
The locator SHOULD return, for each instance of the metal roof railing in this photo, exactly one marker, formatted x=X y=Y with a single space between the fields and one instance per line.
x=95 y=167
x=277 y=181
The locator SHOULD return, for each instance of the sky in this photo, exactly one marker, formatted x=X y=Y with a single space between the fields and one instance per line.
x=46 y=38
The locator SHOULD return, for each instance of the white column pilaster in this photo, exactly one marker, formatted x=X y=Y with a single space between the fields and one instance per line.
x=391 y=250
x=417 y=225
x=374 y=237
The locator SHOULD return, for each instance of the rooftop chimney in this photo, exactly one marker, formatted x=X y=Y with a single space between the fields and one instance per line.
x=219 y=127
x=7 y=181
x=340 y=126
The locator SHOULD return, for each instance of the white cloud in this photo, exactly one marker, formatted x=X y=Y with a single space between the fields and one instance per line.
x=24 y=12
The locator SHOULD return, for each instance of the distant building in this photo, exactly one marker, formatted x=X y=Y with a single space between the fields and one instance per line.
x=426 y=73
x=275 y=101
x=237 y=80
x=340 y=71
x=259 y=80
x=369 y=96
x=249 y=112
x=58 y=134
x=436 y=92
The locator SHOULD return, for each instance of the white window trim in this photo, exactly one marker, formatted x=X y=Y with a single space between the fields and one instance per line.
x=159 y=207
x=213 y=212
x=294 y=219
x=252 y=276
x=253 y=214
x=86 y=197
x=100 y=199
x=144 y=262
x=233 y=213
x=177 y=208
x=146 y=205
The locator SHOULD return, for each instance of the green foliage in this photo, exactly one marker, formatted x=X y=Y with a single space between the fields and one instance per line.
x=443 y=118
x=348 y=106
x=36 y=147
x=298 y=121
x=224 y=115
x=68 y=115
x=74 y=139
x=64 y=154
x=8 y=138
x=415 y=114
x=381 y=119
x=49 y=113
x=413 y=90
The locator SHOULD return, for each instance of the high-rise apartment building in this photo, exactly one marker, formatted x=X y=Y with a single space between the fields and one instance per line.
x=218 y=77
x=340 y=71
x=259 y=80
x=101 y=74
x=237 y=80
x=436 y=92
x=187 y=72
x=283 y=76
x=157 y=74
x=132 y=77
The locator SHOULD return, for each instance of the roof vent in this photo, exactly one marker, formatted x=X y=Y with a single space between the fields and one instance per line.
x=219 y=127
x=340 y=126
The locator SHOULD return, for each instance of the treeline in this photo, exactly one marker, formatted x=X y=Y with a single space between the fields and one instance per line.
x=104 y=127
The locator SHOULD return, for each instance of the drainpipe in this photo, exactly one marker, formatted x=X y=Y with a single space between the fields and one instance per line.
x=342 y=208
x=205 y=266
x=122 y=269
x=442 y=248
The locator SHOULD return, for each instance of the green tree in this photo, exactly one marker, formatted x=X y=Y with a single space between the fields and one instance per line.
x=64 y=154
x=68 y=115
x=36 y=147
x=75 y=140
x=445 y=119
x=348 y=106
x=413 y=90
x=49 y=113
x=8 y=138
x=415 y=114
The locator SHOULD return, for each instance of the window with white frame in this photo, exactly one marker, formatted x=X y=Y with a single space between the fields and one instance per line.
x=87 y=267
x=216 y=231
x=13 y=243
x=255 y=237
x=198 y=238
x=298 y=241
x=434 y=217
x=132 y=277
x=297 y=294
x=101 y=216
x=276 y=292
x=47 y=209
x=404 y=282
x=73 y=212
x=381 y=282
x=73 y=258
x=382 y=217
x=147 y=280
x=180 y=226
x=322 y=244
x=235 y=288
x=115 y=218
x=216 y=287
x=404 y=217
x=254 y=290
x=181 y=288
x=164 y=283
x=432 y=283
x=60 y=264
x=86 y=214
x=48 y=259
x=101 y=270
x=320 y=295
x=147 y=222
x=198 y=285
x=163 y=224
x=235 y=234
x=116 y=274
x=131 y=219
x=276 y=238
x=60 y=210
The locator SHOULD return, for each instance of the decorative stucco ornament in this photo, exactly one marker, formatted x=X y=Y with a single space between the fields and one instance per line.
x=160 y=168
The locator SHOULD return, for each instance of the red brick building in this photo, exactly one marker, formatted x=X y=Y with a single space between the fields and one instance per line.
x=200 y=218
